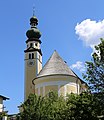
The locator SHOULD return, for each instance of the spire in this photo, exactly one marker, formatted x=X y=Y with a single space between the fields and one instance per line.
x=33 y=19
x=33 y=10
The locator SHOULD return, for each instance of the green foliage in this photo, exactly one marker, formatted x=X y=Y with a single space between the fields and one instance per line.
x=95 y=77
x=42 y=108
x=81 y=107
x=2 y=114
x=51 y=107
x=95 y=69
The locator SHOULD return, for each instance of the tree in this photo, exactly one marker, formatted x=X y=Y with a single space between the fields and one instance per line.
x=95 y=69
x=3 y=114
x=81 y=107
x=95 y=76
x=52 y=107
x=42 y=108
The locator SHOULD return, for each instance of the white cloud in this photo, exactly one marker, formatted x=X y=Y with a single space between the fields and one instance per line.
x=90 y=32
x=79 y=66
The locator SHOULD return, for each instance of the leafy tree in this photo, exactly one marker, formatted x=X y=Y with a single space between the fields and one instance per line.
x=95 y=76
x=81 y=107
x=42 y=108
x=3 y=114
x=95 y=69
x=32 y=108
x=51 y=107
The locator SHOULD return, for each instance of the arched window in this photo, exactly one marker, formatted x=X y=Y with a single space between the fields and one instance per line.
x=36 y=44
x=32 y=55
x=29 y=56
x=31 y=44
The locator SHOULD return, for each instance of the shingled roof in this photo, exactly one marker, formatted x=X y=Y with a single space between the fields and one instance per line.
x=56 y=66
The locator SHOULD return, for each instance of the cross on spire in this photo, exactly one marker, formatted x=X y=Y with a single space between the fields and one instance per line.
x=33 y=10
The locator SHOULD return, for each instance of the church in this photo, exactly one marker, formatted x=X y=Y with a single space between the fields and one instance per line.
x=55 y=75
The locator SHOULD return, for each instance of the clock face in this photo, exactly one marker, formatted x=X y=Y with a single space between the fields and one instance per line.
x=30 y=63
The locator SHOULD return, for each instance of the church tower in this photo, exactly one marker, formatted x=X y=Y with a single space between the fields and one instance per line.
x=33 y=56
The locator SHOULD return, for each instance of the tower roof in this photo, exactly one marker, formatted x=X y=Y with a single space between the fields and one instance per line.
x=34 y=19
x=33 y=32
x=56 y=66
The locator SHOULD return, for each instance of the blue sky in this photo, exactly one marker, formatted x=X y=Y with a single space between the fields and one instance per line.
x=72 y=27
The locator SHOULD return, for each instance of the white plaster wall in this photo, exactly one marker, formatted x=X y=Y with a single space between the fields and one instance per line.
x=54 y=83
x=1 y=107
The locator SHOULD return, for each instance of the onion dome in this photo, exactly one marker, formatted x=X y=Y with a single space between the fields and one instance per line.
x=33 y=20
x=33 y=32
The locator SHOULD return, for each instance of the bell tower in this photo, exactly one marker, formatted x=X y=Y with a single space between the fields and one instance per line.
x=33 y=56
